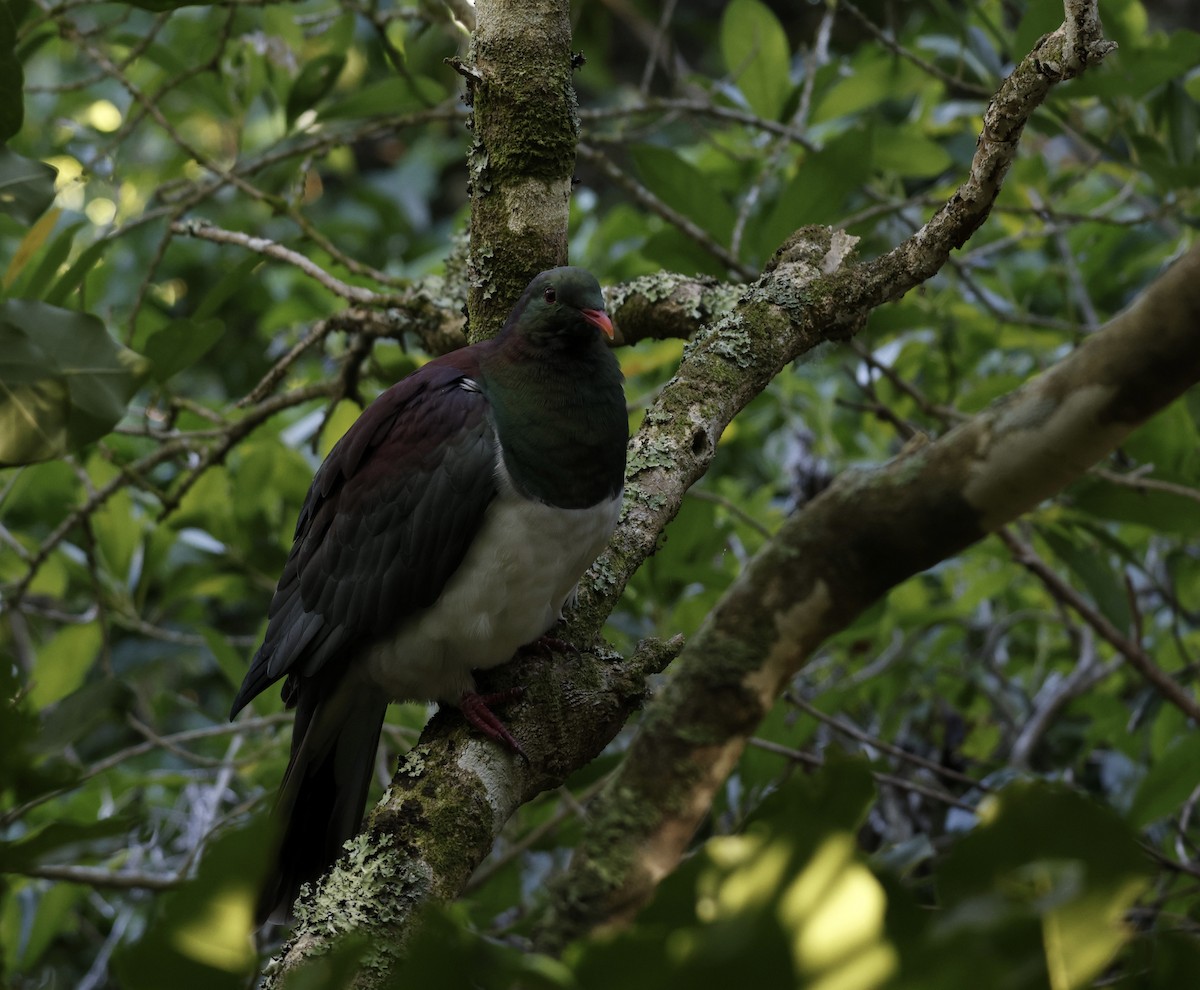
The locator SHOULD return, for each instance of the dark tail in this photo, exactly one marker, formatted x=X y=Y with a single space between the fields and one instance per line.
x=320 y=802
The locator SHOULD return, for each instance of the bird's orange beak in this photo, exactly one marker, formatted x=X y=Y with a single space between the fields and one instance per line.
x=600 y=319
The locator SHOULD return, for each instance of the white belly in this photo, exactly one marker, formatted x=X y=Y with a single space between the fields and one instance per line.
x=510 y=589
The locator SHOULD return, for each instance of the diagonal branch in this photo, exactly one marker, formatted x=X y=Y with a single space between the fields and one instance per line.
x=827 y=564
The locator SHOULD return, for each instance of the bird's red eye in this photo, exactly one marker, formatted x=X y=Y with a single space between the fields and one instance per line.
x=548 y=295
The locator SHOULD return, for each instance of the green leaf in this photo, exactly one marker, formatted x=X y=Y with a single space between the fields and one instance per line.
x=202 y=933
x=229 y=659
x=1045 y=849
x=64 y=662
x=819 y=192
x=33 y=285
x=100 y=702
x=388 y=96
x=755 y=49
x=909 y=153
x=26 y=186
x=161 y=6
x=32 y=849
x=180 y=344
x=1165 y=788
x=1094 y=572
x=73 y=277
x=12 y=78
x=315 y=80
x=64 y=381
x=30 y=244
x=1164 y=512
x=685 y=189
x=1180 y=111
x=55 y=913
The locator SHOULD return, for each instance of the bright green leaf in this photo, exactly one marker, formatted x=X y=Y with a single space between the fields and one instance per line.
x=755 y=49
x=63 y=662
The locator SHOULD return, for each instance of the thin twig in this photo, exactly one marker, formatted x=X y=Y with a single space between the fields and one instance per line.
x=270 y=249
x=656 y=205
x=1025 y=555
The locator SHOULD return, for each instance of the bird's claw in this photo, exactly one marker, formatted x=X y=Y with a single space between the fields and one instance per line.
x=476 y=709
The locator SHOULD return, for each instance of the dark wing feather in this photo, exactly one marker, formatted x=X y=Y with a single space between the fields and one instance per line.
x=388 y=519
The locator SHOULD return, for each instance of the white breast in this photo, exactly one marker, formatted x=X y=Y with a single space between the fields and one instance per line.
x=511 y=588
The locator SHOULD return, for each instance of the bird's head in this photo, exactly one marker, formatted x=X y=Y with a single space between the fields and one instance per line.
x=561 y=307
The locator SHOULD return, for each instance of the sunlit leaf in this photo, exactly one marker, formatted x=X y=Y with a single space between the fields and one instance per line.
x=202 y=933
x=1045 y=849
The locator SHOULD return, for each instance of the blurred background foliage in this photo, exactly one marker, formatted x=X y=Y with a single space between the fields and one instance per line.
x=973 y=743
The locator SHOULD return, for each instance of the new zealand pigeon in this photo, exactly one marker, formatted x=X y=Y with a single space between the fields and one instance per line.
x=446 y=529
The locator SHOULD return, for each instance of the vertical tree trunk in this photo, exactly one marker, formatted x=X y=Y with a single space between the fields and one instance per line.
x=522 y=158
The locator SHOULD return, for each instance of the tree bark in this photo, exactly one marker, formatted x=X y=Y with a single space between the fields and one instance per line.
x=451 y=796
x=865 y=534
x=525 y=126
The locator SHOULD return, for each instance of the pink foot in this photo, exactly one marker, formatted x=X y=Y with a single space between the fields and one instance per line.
x=477 y=711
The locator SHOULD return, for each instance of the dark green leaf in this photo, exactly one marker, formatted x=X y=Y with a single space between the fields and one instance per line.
x=12 y=78
x=685 y=189
x=1170 y=780
x=1098 y=576
x=388 y=96
x=180 y=344
x=315 y=80
x=1162 y=511
x=74 y=276
x=819 y=192
x=231 y=662
x=160 y=6
x=1181 y=122
x=26 y=186
x=34 y=848
x=80 y=713
x=64 y=381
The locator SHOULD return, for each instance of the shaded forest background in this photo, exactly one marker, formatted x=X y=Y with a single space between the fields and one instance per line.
x=265 y=206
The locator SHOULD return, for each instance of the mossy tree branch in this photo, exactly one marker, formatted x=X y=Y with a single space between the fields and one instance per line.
x=812 y=292
x=868 y=532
